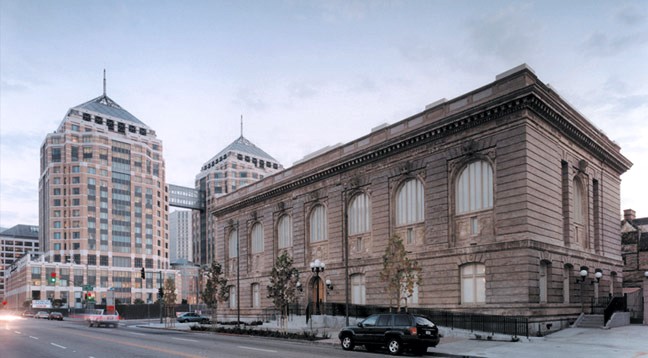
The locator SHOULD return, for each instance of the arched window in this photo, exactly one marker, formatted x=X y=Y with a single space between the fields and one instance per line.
x=256 y=295
x=475 y=187
x=284 y=232
x=359 y=215
x=473 y=283
x=413 y=298
x=579 y=205
x=233 y=244
x=318 y=224
x=410 y=202
x=358 y=290
x=232 y=297
x=257 y=238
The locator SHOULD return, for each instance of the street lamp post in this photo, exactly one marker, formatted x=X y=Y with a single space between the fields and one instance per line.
x=317 y=266
x=584 y=271
x=238 y=278
x=346 y=256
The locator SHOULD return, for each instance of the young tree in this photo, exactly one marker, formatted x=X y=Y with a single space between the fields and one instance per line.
x=399 y=273
x=169 y=293
x=283 y=285
x=215 y=288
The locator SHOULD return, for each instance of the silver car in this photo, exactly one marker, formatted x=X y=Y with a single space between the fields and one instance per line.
x=42 y=314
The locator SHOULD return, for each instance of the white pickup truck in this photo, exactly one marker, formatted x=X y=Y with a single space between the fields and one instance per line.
x=100 y=318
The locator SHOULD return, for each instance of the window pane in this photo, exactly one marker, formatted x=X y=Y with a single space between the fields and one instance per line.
x=233 y=252
x=410 y=203
x=359 y=217
x=475 y=188
x=318 y=224
x=257 y=238
x=284 y=230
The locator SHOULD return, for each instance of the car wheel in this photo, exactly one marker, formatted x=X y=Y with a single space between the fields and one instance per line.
x=394 y=346
x=347 y=343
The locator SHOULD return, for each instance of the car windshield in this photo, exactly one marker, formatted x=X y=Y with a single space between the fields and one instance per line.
x=422 y=321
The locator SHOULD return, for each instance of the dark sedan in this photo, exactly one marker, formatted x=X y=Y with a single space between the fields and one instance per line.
x=192 y=317
x=58 y=316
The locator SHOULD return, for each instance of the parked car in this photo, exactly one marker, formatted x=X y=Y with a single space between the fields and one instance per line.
x=192 y=317
x=28 y=314
x=395 y=331
x=55 y=316
x=41 y=314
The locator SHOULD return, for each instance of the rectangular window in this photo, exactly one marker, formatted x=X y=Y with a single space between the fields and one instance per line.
x=56 y=155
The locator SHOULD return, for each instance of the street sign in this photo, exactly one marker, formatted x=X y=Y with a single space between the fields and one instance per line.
x=88 y=288
x=41 y=304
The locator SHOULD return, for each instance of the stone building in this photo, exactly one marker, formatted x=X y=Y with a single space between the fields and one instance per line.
x=15 y=242
x=503 y=195
x=634 y=241
x=180 y=238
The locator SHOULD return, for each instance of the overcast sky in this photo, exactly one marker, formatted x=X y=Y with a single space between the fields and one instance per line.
x=304 y=74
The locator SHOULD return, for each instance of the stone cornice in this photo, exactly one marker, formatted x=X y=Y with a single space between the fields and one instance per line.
x=523 y=99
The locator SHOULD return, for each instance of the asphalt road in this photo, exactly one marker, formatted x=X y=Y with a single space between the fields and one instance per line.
x=32 y=338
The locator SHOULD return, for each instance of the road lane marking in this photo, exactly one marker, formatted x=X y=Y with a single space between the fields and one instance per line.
x=103 y=337
x=32 y=337
x=56 y=345
x=184 y=339
x=17 y=332
x=257 y=349
x=138 y=334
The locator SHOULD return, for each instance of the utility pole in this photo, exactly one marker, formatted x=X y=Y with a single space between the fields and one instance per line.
x=160 y=294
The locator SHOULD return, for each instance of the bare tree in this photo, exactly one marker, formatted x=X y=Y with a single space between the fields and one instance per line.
x=399 y=273
x=283 y=285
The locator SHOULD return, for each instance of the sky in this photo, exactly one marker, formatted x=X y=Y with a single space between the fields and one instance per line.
x=303 y=74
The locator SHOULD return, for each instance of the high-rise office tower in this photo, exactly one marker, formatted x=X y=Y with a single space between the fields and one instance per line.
x=180 y=235
x=239 y=164
x=103 y=200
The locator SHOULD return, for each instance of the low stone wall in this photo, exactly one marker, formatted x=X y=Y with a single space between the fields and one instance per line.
x=618 y=319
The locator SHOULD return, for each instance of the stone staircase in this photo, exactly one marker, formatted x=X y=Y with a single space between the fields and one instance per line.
x=591 y=321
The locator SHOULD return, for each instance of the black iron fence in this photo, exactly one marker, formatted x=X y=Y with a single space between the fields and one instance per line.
x=510 y=325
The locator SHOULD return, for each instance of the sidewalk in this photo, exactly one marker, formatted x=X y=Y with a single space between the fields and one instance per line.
x=628 y=341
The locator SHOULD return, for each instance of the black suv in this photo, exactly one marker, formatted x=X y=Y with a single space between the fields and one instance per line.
x=396 y=331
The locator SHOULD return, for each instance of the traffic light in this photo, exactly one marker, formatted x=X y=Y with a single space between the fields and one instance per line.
x=90 y=296
x=143 y=274
x=53 y=277
x=4 y=303
x=160 y=292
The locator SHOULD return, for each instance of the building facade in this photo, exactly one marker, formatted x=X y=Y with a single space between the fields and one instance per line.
x=103 y=203
x=239 y=164
x=634 y=241
x=180 y=239
x=36 y=279
x=502 y=195
x=15 y=242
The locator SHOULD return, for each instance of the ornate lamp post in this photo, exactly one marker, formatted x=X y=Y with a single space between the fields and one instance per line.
x=317 y=266
x=584 y=271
